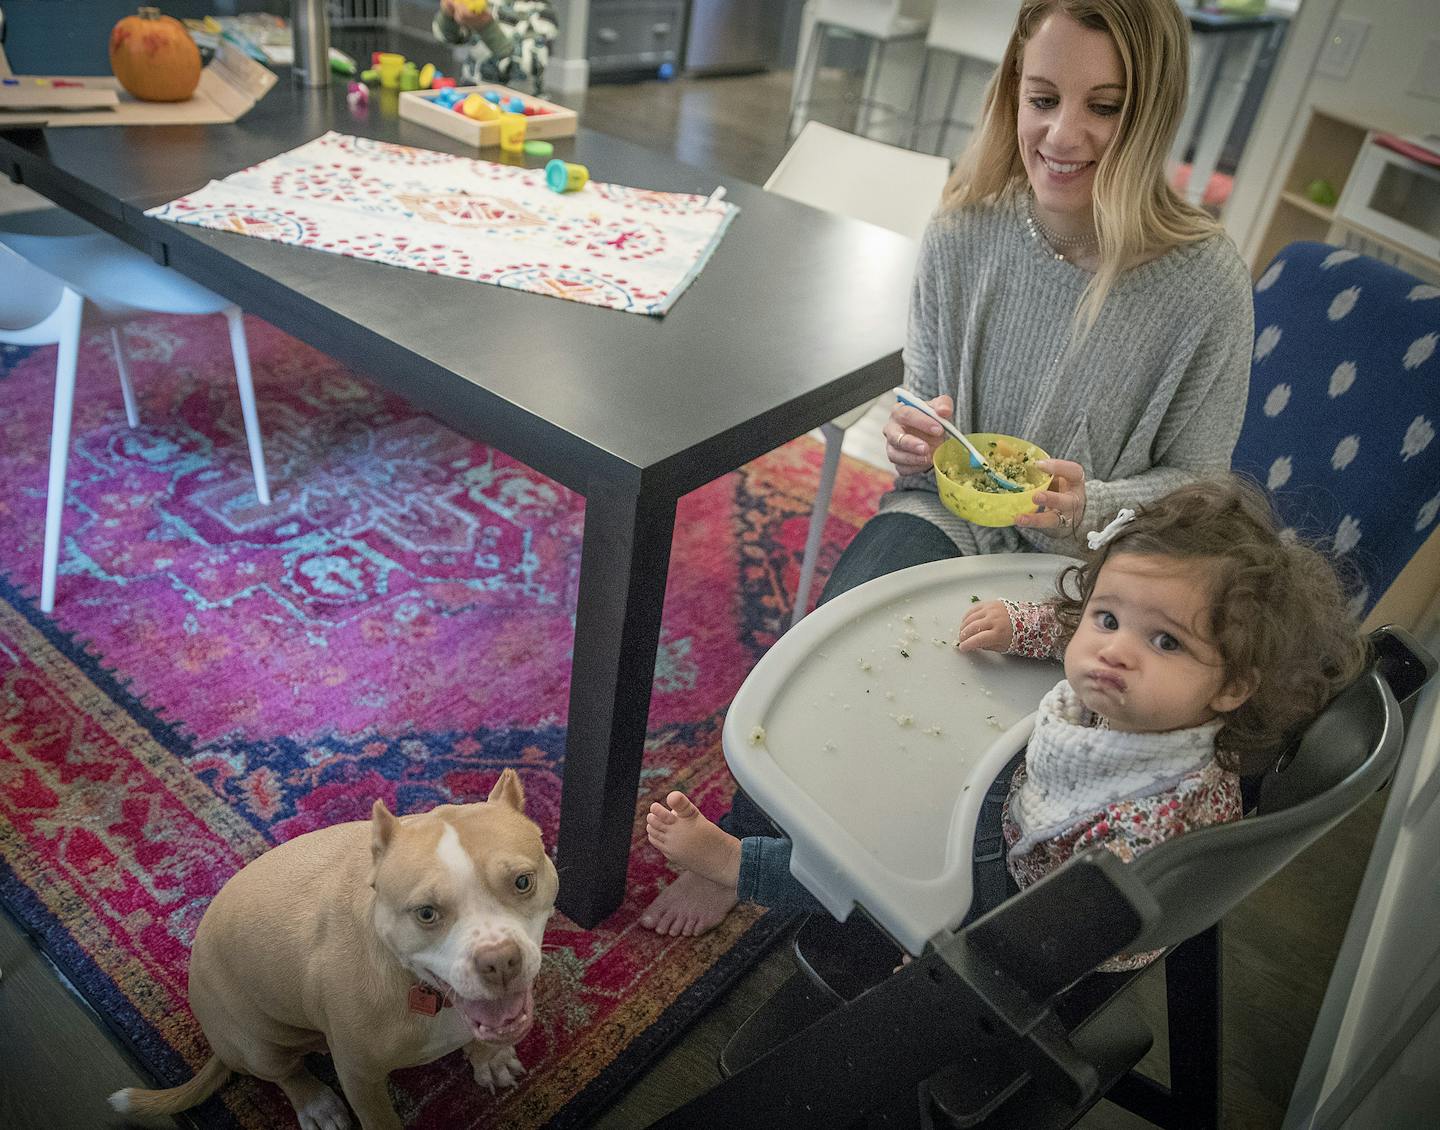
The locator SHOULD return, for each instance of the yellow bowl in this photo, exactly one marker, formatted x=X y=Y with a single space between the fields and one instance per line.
x=982 y=507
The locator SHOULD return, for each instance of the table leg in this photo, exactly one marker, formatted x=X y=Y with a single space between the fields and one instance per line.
x=623 y=563
x=1236 y=65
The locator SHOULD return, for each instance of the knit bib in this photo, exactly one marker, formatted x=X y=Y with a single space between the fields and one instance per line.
x=1075 y=769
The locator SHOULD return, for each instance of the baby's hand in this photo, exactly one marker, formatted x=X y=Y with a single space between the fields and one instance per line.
x=986 y=627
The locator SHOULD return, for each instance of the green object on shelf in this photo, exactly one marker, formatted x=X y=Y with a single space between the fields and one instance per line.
x=1321 y=192
x=539 y=148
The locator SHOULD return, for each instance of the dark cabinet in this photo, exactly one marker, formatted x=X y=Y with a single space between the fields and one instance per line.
x=633 y=35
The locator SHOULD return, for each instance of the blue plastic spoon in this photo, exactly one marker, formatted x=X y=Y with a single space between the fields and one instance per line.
x=978 y=461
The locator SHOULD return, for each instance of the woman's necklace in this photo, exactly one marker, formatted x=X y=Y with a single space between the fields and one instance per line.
x=1063 y=247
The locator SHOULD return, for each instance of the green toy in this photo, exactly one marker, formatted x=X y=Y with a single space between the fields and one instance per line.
x=1321 y=192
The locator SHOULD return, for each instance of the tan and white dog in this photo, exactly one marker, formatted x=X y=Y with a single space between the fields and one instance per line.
x=388 y=942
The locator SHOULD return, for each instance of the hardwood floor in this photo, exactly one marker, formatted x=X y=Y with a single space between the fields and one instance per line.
x=59 y=1064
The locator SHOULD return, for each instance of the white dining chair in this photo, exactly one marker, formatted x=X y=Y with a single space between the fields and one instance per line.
x=971 y=32
x=881 y=22
x=867 y=180
x=59 y=272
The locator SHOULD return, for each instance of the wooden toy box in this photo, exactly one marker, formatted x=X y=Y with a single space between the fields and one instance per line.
x=418 y=106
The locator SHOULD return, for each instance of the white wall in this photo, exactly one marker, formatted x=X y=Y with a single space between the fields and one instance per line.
x=1375 y=93
x=569 y=70
x=1378 y=87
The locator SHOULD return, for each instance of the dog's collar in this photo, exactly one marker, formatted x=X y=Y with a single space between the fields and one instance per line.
x=427 y=1001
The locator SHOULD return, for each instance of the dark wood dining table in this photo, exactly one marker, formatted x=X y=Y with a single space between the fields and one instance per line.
x=798 y=317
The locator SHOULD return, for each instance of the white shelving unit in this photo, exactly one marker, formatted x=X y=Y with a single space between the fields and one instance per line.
x=1387 y=207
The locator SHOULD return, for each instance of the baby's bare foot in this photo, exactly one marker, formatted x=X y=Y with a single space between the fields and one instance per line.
x=690 y=841
x=689 y=906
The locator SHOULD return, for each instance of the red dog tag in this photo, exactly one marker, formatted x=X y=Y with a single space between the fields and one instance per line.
x=425 y=1000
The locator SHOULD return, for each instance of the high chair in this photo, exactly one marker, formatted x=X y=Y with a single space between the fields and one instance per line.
x=1002 y=1023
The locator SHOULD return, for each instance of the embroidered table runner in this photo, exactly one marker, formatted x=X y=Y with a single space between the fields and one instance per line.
x=606 y=245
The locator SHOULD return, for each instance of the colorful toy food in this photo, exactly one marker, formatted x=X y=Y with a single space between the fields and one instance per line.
x=154 y=57
x=565 y=176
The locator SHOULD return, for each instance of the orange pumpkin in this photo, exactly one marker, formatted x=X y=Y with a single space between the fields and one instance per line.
x=154 y=57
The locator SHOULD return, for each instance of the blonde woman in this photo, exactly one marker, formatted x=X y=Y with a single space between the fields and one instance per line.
x=1067 y=294
x=1064 y=293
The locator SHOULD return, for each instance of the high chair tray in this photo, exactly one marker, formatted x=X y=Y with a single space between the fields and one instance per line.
x=871 y=741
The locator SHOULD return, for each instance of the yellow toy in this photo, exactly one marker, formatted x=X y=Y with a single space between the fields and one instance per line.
x=565 y=176
x=476 y=6
x=477 y=109
x=389 y=64
x=512 y=132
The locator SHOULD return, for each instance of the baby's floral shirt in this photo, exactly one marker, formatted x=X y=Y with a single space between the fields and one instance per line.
x=1128 y=827
x=1034 y=630
x=1210 y=795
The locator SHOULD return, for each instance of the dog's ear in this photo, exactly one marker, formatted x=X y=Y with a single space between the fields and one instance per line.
x=508 y=790
x=383 y=826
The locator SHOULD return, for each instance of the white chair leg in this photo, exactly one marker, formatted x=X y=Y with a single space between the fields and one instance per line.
x=834 y=439
x=127 y=391
x=241 y=351
x=65 y=365
x=917 y=118
x=874 y=61
x=803 y=85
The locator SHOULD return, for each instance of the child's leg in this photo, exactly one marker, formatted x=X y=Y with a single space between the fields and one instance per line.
x=992 y=884
x=758 y=867
x=720 y=869
x=690 y=841
x=689 y=907
x=693 y=903
x=765 y=876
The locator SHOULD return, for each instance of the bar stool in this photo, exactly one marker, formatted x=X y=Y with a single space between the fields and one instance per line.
x=883 y=22
x=970 y=31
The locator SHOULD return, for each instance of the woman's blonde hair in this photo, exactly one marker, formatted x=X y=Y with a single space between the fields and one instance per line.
x=1137 y=214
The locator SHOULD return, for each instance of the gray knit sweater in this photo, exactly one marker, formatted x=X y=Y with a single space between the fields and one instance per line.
x=1152 y=398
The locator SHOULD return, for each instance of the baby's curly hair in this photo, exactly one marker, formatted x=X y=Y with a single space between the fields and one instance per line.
x=1278 y=609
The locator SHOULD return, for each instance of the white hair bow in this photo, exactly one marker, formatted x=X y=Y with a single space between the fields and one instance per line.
x=1099 y=538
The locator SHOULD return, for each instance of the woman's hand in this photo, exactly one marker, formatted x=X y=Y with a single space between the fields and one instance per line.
x=1064 y=503
x=986 y=627
x=462 y=14
x=911 y=437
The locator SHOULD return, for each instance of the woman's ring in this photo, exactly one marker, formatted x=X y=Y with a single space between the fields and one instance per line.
x=1065 y=520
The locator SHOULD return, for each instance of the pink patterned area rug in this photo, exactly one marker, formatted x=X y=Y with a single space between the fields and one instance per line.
x=219 y=677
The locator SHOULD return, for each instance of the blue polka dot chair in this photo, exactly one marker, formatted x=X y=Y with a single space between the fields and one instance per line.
x=1344 y=406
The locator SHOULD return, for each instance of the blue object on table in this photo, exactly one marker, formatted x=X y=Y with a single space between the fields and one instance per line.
x=1344 y=405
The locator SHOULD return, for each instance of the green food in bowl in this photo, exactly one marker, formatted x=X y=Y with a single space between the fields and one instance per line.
x=973 y=495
